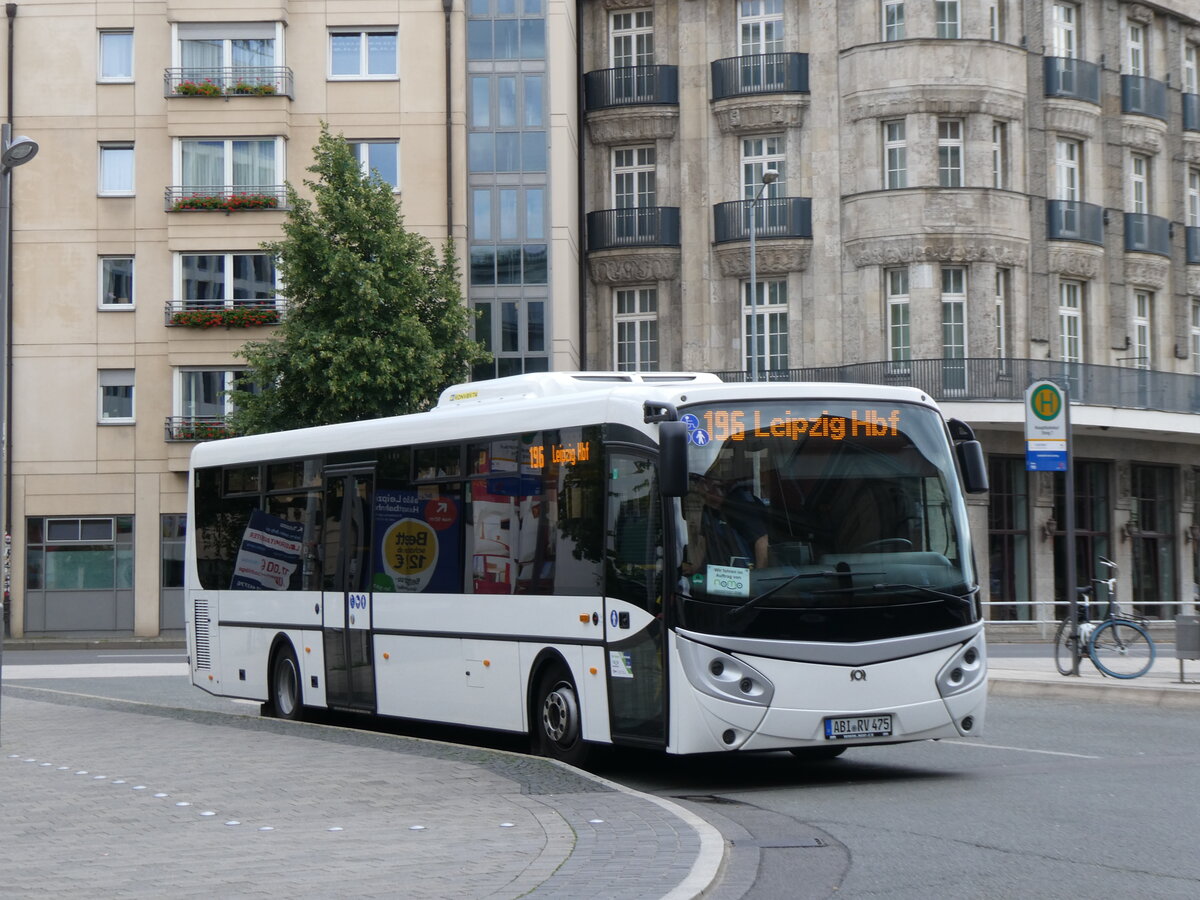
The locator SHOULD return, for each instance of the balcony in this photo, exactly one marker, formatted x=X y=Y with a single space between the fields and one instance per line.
x=767 y=73
x=195 y=428
x=225 y=198
x=1071 y=220
x=778 y=217
x=1143 y=96
x=1191 y=112
x=240 y=81
x=1193 y=245
x=986 y=379
x=647 y=226
x=1145 y=233
x=1072 y=79
x=222 y=314
x=631 y=86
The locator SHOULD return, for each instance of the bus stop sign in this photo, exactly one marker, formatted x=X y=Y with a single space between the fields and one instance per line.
x=1045 y=428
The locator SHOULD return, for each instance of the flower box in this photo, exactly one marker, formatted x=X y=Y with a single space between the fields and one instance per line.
x=248 y=88
x=227 y=202
x=229 y=317
x=203 y=88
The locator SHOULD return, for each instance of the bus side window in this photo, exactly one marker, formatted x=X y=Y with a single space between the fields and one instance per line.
x=634 y=531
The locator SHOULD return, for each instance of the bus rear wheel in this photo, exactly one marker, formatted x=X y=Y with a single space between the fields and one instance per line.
x=285 y=694
x=557 y=728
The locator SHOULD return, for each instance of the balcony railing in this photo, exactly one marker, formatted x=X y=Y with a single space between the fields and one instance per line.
x=631 y=86
x=1074 y=79
x=1193 y=245
x=1145 y=233
x=1071 y=220
x=239 y=81
x=225 y=198
x=983 y=379
x=195 y=428
x=777 y=217
x=1143 y=96
x=222 y=313
x=766 y=73
x=646 y=226
x=1191 y=112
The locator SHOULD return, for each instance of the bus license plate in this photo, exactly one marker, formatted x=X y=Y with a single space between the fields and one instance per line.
x=845 y=728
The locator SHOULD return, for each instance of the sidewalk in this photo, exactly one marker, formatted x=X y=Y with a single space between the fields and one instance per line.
x=1038 y=677
x=107 y=798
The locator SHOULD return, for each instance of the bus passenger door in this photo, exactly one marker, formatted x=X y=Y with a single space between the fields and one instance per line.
x=635 y=636
x=349 y=661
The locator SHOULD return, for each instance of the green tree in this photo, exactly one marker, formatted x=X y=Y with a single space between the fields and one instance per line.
x=375 y=325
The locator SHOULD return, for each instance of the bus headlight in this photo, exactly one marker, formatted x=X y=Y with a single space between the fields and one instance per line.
x=965 y=670
x=724 y=676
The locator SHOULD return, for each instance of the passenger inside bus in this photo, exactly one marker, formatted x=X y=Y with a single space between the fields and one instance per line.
x=732 y=527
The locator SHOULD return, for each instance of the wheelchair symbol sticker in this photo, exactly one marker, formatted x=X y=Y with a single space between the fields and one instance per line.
x=690 y=421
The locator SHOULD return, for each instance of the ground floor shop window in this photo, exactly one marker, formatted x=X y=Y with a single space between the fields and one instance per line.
x=172 y=534
x=1152 y=534
x=1008 y=539
x=79 y=573
x=1092 y=527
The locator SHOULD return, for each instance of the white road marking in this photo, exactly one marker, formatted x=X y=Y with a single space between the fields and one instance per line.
x=982 y=746
x=94 y=670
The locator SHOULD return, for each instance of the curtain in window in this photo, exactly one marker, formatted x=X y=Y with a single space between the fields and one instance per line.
x=199 y=58
x=203 y=164
x=253 y=163
x=202 y=394
x=249 y=53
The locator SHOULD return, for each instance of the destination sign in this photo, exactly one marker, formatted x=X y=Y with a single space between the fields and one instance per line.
x=559 y=454
x=739 y=425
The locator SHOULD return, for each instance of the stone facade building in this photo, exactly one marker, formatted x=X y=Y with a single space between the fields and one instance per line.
x=968 y=195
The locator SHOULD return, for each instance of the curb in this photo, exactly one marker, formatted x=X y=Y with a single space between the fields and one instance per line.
x=1181 y=697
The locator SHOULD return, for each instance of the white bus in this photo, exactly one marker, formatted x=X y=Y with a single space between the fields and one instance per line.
x=658 y=560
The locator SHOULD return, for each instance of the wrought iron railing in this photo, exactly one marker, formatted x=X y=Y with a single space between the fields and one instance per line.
x=222 y=313
x=1005 y=379
x=765 y=73
x=777 y=217
x=195 y=428
x=238 y=81
x=639 y=226
x=225 y=198
x=631 y=86
x=1071 y=220
x=1145 y=233
x=1074 y=79
x=1191 y=112
x=1143 y=96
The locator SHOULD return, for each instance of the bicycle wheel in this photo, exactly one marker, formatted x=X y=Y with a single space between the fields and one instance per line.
x=1121 y=649
x=1063 y=645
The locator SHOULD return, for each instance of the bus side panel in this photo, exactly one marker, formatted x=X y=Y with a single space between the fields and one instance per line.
x=311 y=655
x=243 y=667
x=591 y=686
x=204 y=639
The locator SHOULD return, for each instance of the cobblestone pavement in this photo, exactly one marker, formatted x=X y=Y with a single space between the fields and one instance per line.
x=109 y=798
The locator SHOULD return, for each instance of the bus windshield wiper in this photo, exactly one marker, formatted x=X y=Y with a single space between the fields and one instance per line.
x=925 y=589
x=758 y=598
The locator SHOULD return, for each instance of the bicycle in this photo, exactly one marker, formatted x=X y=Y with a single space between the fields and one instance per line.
x=1118 y=645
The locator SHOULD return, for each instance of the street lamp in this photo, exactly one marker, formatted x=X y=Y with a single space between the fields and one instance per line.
x=769 y=176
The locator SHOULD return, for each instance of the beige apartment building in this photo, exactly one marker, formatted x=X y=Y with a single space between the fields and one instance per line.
x=968 y=195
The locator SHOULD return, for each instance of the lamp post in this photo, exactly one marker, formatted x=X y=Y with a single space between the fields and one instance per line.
x=13 y=152
x=769 y=176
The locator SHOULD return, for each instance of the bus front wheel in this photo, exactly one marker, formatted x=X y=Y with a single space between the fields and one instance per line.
x=557 y=728
x=285 y=685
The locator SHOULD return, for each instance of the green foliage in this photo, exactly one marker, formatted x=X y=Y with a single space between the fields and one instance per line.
x=376 y=322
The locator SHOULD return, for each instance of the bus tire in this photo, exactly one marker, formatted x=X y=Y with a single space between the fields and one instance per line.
x=556 y=724
x=286 y=693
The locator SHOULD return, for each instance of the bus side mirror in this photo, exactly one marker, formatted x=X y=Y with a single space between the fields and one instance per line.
x=672 y=459
x=972 y=466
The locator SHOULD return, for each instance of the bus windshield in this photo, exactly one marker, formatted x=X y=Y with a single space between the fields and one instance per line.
x=823 y=521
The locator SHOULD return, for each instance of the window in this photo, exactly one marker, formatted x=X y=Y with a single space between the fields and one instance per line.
x=1000 y=154
x=948 y=23
x=954 y=327
x=116 y=170
x=1070 y=321
x=760 y=154
x=895 y=155
x=1067 y=157
x=1194 y=334
x=893 y=20
x=631 y=39
x=1008 y=538
x=1143 y=303
x=1139 y=183
x=230 y=163
x=1193 y=198
x=634 y=189
x=202 y=396
x=950 y=153
x=116 y=56
x=172 y=540
x=1003 y=289
x=205 y=49
x=363 y=54
x=1063 y=30
x=635 y=328
x=379 y=158
x=506 y=37
x=80 y=554
x=1135 y=49
x=760 y=27
x=1191 y=69
x=116 y=282
x=115 y=396
x=996 y=22
x=766 y=325
x=899 y=331
x=226 y=279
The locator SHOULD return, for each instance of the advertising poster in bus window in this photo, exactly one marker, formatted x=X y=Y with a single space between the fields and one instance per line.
x=508 y=554
x=268 y=555
x=419 y=542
